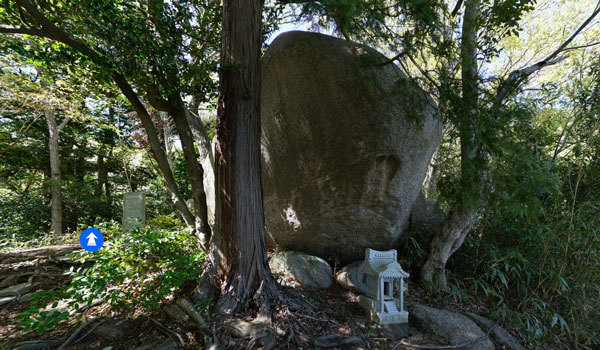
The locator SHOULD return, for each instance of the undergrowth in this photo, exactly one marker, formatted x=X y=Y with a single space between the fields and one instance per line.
x=142 y=267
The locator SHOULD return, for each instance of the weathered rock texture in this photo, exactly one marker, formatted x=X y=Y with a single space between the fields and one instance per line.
x=501 y=338
x=345 y=146
x=453 y=328
x=310 y=271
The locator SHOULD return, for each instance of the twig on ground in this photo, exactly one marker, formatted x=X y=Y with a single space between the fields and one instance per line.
x=312 y=318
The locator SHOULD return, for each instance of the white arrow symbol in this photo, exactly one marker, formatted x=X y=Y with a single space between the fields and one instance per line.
x=91 y=239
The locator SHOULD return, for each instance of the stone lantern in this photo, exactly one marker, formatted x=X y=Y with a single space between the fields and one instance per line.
x=384 y=278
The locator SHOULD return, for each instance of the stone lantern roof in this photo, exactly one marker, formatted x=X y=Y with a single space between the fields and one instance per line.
x=382 y=264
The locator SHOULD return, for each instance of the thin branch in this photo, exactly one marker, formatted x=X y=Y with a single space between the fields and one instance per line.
x=63 y=124
x=581 y=46
x=562 y=47
x=516 y=77
x=424 y=72
x=391 y=60
x=457 y=8
x=21 y=30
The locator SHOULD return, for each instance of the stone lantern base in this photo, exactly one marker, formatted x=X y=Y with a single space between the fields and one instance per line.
x=390 y=314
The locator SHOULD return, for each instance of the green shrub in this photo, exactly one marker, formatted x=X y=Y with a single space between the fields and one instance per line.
x=142 y=267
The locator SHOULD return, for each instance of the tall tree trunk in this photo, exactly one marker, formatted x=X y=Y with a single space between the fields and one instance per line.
x=102 y=172
x=195 y=173
x=451 y=234
x=56 y=226
x=157 y=150
x=240 y=242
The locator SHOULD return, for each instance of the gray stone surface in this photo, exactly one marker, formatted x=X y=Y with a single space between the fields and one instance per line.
x=8 y=299
x=343 y=156
x=424 y=214
x=26 y=298
x=179 y=315
x=107 y=332
x=336 y=340
x=134 y=210
x=350 y=278
x=453 y=328
x=499 y=335
x=38 y=344
x=308 y=270
x=17 y=289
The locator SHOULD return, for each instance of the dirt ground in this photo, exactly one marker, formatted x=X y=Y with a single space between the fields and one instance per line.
x=334 y=312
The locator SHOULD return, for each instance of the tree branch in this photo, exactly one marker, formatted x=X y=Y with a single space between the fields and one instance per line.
x=424 y=72
x=21 y=30
x=402 y=53
x=457 y=8
x=515 y=78
x=51 y=31
x=63 y=124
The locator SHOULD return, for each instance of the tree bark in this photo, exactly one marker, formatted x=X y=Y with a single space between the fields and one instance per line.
x=101 y=173
x=195 y=173
x=56 y=226
x=240 y=249
x=451 y=234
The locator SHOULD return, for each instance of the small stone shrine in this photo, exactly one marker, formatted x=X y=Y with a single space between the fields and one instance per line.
x=134 y=210
x=384 y=278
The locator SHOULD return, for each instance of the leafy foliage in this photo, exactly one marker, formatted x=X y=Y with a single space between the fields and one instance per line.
x=142 y=267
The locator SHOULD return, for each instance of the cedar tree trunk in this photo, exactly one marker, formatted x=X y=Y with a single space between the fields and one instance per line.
x=240 y=245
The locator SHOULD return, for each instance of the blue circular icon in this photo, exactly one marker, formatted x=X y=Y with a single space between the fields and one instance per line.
x=91 y=239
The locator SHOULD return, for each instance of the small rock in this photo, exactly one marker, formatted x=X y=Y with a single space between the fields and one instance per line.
x=6 y=300
x=108 y=333
x=308 y=270
x=26 y=298
x=179 y=315
x=263 y=334
x=38 y=344
x=331 y=340
x=17 y=289
x=452 y=327
x=8 y=281
x=242 y=329
x=67 y=259
x=349 y=278
x=498 y=334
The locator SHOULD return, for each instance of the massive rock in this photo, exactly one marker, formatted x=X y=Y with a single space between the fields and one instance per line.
x=345 y=145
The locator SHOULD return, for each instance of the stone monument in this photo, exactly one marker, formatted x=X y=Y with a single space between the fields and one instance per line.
x=134 y=210
x=384 y=278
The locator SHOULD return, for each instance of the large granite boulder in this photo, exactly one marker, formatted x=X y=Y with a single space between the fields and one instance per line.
x=345 y=146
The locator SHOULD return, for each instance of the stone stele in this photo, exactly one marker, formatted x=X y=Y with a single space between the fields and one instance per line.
x=134 y=210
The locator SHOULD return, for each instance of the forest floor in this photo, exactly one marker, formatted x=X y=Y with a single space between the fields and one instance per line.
x=328 y=317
